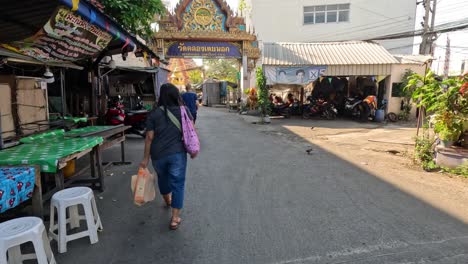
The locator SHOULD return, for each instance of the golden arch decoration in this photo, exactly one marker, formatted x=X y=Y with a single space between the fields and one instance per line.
x=205 y=21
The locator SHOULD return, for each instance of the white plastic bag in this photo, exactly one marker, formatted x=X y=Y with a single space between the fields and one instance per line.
x=143 y=187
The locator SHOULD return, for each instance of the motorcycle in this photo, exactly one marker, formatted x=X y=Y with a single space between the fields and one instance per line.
x=354 y=107
x=135 y=118
x=319 y=107
x=370 y=108
x=280 y=110
x=295 y=108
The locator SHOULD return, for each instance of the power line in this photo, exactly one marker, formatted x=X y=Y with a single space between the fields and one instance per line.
x=371 y=11
x=364 y=27
x=443 y=28
x=453 y=6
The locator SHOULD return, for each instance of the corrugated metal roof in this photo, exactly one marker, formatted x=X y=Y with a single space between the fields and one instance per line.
x=326 y=53
x=23 y=19
x=413 y=59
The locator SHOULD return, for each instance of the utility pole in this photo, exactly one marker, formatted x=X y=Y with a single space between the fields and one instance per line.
x=447 y=58
x=427 y=7
x=427 y=37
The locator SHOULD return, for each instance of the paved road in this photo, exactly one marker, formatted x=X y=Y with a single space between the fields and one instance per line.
x=254 y=197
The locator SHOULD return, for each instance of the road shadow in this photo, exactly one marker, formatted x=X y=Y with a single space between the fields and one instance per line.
x=258 y=197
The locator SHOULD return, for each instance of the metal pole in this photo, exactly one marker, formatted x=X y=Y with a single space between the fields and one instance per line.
x=62 y=90
x=155 y=87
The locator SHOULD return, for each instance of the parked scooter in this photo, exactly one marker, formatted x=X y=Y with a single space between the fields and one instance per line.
x=370 y=108
x=135 y=118
x=280 y=110
x=353 y=107
x=319 y=107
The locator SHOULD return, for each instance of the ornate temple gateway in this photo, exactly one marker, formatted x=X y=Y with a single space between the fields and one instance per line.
x=207 y=29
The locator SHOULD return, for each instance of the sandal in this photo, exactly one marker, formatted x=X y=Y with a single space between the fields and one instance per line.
x=174 y=225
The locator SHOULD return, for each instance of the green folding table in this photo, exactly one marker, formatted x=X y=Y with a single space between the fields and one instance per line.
x=51 y=153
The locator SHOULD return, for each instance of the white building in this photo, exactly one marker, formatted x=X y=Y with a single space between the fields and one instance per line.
x=333 y=20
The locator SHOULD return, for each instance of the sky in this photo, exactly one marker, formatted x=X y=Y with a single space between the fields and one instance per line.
x=448 y=11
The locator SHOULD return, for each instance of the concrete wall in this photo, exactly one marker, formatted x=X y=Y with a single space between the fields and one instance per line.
x=282 y=21
x=398 y=71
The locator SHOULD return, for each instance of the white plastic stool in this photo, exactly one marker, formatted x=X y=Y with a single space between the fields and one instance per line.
x=18 y=231
x=70 y=198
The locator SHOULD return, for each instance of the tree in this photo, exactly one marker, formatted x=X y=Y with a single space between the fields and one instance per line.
x=135 y=16
x=262 y=90
x=406 y=93
x=195 y=76
x=222 y=69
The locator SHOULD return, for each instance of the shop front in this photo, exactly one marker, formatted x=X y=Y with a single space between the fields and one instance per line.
x=54 y=59
x=338 y=73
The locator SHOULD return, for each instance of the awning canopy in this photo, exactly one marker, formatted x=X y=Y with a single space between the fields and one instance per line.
x=138 y=69
x=350 y=58
x=18 y=58
x=63 y=30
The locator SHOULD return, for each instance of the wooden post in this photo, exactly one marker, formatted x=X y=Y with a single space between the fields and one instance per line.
x=99 y=167
x=92 y=161
x=302 y=99
x=37 y=203
x=1 y=132
x=59 y=179
x=94 y=82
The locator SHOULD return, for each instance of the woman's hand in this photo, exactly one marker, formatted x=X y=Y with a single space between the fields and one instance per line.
x=144 y=163
x=192 y=156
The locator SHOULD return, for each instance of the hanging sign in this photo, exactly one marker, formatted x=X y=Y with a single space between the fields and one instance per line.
x=294 y=75
x=65 y=37
x=204 y=49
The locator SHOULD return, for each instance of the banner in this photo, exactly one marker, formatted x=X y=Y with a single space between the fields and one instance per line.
x=294 y=75
x=65 y=37
x=203 y=49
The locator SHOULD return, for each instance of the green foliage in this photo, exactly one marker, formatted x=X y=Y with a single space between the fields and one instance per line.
x=407 y=94
x=424 y=152
x=461 y=170
x=444 y=100
x=222 y=69
x=407 y=91
x=135 y=16
x=195 y=76
x=448 y=125
x=263 y=100
x=244 y=8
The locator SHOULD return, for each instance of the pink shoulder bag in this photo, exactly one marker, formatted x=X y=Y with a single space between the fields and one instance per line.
x=189 y=135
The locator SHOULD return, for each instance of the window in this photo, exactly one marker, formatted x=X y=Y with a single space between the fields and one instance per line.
x=397 y=90
x=326 y=14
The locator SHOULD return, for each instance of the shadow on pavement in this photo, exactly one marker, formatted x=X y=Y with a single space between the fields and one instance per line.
x=254 y=197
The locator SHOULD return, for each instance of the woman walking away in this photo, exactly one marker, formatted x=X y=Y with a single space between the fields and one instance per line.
x=165 y=147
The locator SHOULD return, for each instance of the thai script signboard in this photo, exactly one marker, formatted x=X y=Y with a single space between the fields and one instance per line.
x=65 y=37
x=204 y=49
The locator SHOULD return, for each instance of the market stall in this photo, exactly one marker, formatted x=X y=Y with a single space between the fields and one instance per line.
x=55 y=78
x=53 y=151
